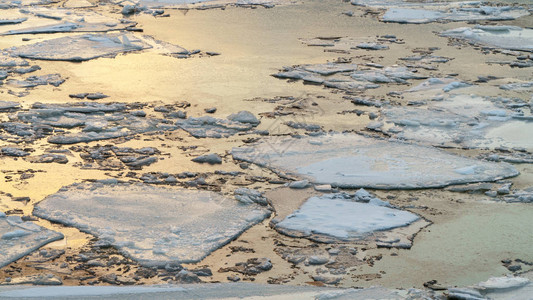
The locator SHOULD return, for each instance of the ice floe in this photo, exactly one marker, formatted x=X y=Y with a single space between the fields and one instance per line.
x=347 y=76
x=456 y=119
x=207 y=126
x=81 y=47
x=353 y=161
x=475 y=13
x=56 y=20
x=60 y=123
x=348 y=44
x=198 y=4
x=504 y=37
x=419 y=12
x=19 y=238
x=90 y=46
x=152 y=225
x=341 y=217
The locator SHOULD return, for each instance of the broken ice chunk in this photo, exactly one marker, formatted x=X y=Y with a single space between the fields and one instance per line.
x=211 y=159
x=244 y=117
x=19 y=238
x=33 y=81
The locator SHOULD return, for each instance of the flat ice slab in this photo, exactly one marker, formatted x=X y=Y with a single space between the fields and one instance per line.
x=152 y=225
x=352 y=161
x=209 y=291
x=81 y=47
x=189 y=291
x=347 y=77
x=19 y=238
x=459 y=118
x=468 y=13
x=342 y=218
x=504 y=37
x=55 y=20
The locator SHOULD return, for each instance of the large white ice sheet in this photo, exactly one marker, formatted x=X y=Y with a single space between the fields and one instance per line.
x=152 y=225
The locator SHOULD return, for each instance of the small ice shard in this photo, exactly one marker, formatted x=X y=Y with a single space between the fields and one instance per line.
x=352 y=161
x=152 y=225
x=85 y=137
x=244 y=117
x=208 y=126
x=12 y=151
x=465 y=293
x=342 y=219
x=19 y=238
x=33 y=81
x=504 y=37
x=248 y=196
x=80 y=47
x=372 y=46
x=300 y=184
x=211 y=159
x=128 y=9
x=12 y=21
x=330 y=68
x=518 y=86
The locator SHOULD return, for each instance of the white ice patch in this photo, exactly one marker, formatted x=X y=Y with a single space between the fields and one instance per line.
x=352 y=161
x=152 y=225
x=344 y=219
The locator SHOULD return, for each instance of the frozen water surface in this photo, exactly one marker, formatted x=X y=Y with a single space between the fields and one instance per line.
x=352 y=161
x=152 y=225
x=19 y=238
